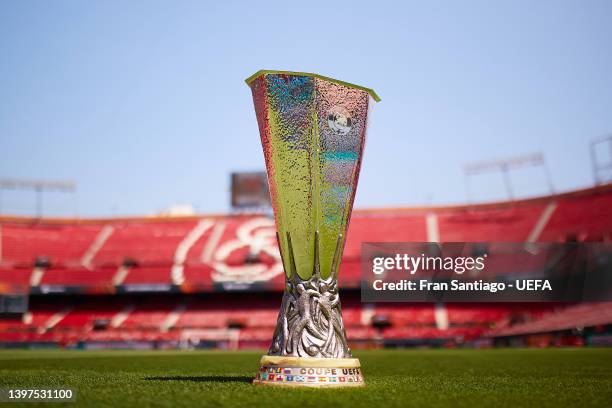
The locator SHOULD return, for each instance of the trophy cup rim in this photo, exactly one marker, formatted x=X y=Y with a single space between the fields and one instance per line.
x=261 y=72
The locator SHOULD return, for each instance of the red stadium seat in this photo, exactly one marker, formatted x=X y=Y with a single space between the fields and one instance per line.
x=224 y=254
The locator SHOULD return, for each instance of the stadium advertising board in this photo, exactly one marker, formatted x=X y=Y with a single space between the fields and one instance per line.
x=250 y=190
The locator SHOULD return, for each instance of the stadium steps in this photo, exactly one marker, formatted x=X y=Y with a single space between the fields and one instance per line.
x=183 y=248
x=98 y=242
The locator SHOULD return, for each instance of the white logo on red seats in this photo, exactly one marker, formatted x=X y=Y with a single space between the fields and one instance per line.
x=259 y=235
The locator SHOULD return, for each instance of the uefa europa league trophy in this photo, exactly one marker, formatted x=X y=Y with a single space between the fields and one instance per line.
x=313 y=132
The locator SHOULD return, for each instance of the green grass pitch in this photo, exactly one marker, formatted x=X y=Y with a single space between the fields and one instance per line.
x=445 y=378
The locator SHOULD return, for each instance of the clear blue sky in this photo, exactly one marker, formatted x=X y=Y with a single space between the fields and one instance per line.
x=143 y=104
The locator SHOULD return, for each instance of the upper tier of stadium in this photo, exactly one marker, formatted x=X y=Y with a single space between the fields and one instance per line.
x=196 y=253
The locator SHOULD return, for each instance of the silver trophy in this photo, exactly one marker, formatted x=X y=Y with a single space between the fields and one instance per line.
x=313 y=132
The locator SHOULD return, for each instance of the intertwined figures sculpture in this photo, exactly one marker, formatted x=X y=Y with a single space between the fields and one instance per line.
x=310 y=320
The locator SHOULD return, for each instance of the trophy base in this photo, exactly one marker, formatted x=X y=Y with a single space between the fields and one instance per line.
x=309 y=372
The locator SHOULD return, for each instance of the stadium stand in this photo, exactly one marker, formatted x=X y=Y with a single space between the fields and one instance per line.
x=214 y=281
x=59 y=244
x=77 y=277
x=567 y=318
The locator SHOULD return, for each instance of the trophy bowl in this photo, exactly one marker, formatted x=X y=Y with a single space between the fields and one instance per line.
x=312 y=132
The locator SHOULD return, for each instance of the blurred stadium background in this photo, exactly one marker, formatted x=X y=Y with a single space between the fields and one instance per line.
x=214 y=281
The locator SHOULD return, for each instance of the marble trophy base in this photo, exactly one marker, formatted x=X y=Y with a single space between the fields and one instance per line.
x=309 y=372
